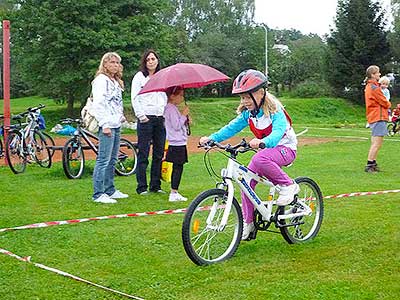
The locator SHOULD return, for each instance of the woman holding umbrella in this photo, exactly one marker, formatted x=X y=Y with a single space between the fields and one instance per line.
x=149 y=110
x=184 y=75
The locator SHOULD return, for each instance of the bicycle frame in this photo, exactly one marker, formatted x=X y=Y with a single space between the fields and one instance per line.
x=242 y=176
x=213 y=224
x=87 y=136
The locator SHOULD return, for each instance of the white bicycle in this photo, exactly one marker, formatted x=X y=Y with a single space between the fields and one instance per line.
x=213 y=223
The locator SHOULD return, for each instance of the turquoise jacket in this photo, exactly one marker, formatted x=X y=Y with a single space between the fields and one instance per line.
x=277 y=137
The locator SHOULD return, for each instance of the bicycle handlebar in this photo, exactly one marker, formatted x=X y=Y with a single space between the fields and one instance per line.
x=70 y=120
x=33 y=109
x=28 y=111
x=241 y=147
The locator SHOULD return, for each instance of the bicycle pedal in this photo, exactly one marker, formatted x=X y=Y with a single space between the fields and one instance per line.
x=252 y=235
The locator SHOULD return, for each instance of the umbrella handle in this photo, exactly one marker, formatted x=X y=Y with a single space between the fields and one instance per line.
x=188 y=131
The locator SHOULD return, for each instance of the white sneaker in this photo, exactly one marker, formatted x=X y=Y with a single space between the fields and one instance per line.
x=104 y=198
x=247 y=229
x=286 y=194
x=118 y=195
x=173 y=197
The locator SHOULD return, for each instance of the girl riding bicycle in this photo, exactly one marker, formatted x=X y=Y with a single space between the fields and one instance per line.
x=271 y=126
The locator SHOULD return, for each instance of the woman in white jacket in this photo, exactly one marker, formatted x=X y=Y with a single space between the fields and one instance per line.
x=149 y=109
x=107 y=108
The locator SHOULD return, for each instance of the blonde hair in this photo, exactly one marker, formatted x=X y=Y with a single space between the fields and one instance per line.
x=385 y=80
x=370 y=71
x=270 y=106
x=103 y=70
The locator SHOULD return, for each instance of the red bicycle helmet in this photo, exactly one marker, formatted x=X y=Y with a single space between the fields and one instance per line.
x=248 y=81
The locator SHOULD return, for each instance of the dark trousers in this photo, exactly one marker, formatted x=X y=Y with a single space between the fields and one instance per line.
x=151 y=131
x=177 y=170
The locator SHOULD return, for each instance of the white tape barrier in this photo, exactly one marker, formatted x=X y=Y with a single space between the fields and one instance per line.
x=164 y=212
x=302 y=132
x=152 y=213
x=59 y=272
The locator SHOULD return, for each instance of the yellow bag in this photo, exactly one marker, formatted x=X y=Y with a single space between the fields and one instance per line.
x=166 y=167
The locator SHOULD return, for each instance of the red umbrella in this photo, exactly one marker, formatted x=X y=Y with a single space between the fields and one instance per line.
x=185 y=75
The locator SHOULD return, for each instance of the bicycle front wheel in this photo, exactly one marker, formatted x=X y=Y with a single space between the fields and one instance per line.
x=307 y=226
x=204 y=241
x=126 y=163
x=15 y=155
x=49 y=141
x=41 y=151
x=73 y=159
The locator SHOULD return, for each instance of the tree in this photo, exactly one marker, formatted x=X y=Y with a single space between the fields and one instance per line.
x=394 y=36
x=295 y=58
x=59 y=43
x=220 y=33
x=359 y=40
x=202 y=16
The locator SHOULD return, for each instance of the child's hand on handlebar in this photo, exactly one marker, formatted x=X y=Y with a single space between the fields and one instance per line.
x=257 y=143
x=204 y=140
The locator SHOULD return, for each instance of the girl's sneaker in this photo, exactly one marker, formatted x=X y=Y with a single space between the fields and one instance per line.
x=286 y=194
x=174 y=197
x=247 y=229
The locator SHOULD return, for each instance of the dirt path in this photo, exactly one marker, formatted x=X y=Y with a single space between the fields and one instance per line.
x=192 y=145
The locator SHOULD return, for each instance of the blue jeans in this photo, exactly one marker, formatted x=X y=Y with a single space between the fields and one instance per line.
x=152 y=131
x=103 y=175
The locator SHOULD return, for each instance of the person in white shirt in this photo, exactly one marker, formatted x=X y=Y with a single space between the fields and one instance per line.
x=107 y=108
x=149 y=110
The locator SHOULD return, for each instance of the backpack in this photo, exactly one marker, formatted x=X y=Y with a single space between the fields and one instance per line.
x=89 y=121
x=41 y=122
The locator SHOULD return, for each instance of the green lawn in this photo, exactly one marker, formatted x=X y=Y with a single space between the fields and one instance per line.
x=355 y=256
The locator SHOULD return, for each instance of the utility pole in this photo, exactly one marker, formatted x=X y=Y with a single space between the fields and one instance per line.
x=266 y=46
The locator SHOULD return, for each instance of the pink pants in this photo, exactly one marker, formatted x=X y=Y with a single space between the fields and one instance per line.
x=268 y=163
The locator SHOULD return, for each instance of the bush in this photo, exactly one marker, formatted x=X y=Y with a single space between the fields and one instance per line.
x=311 y=89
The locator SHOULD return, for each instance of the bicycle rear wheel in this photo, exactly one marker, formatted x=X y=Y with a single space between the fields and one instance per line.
x=309 y=226
x=126 y=163
x=15 y=152
x=204 y=243
x=73 y=159
x=41 y=151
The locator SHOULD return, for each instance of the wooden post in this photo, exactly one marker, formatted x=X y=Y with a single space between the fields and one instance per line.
x=6 y=77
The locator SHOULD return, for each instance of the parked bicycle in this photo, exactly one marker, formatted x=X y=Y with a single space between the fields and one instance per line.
x=26 y=143
x=213 y=224
x=73 y=156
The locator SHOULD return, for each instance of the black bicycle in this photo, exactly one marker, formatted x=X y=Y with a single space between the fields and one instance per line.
x=73 y=156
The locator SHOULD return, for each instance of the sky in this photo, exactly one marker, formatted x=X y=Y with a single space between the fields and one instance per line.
x=308 y=16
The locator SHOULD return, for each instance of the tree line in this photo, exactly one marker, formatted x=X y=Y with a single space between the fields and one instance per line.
x=57 y=45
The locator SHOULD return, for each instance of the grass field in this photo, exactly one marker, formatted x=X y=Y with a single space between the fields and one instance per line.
x=355 y=256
